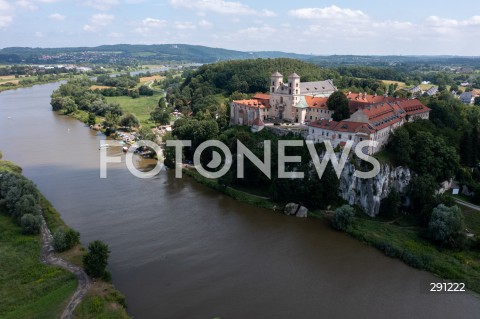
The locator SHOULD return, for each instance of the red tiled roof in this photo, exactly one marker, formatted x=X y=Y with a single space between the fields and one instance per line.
x=262 y=96
x=253 y=103
x=343 y=126
x=316 y=102
x=413 y=107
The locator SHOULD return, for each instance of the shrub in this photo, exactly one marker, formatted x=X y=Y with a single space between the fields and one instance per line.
x=447 y=226
x=343 y=217
x=96 y=260
x=64 y=240
x=30 y=224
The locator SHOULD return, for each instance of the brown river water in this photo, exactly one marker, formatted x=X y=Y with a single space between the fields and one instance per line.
x=180 y=250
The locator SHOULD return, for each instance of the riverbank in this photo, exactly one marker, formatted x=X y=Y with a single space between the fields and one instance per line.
x=32 y=289
x=395 y=239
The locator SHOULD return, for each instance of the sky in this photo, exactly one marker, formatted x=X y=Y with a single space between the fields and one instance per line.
x=359 y=27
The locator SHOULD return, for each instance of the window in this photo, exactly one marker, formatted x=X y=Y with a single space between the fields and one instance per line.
x=296 y=91
x=340 y=136
x=290 y=91
x=297 y=85
x=311 y=117
x=273 y=83
x=273 y=90
x=350 y=137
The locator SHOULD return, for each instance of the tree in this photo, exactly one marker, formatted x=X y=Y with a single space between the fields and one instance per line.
x=338 y=103
x=162 y=104
x=64 y=240
x=390 y=204
x=145 y=90
x=343 y=217
x=129 y=120
x=96 y=260
x=476 y=101
x=160 y=116
x=91 y=119
x=447 y=226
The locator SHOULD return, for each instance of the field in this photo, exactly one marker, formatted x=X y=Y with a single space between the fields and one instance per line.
x=99 y=87
x=29 y=288
x=400 y=84
x=141 y=107
x=146 y=79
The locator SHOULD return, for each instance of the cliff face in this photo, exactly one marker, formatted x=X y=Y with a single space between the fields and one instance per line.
x=367 y=193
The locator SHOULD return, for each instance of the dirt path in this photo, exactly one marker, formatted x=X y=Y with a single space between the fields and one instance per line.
x=49 y=257
x=469 y=205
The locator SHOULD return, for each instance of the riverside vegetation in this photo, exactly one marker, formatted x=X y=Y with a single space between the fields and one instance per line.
x=29 y=288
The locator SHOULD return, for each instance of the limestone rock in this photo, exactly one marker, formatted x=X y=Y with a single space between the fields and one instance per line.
x=302 y=212
x=291 y=209
x=367 y=193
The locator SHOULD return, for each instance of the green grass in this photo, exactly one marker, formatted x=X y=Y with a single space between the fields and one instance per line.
x=472 y=220
x=29 y=288
x=141 y=107
x=406 y=244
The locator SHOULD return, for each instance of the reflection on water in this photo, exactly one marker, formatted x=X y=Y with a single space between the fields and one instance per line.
x=180 y=250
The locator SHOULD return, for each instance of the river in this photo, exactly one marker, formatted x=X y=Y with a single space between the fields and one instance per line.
x=180 y=250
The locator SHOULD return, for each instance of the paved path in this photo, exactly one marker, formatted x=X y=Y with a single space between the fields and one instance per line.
x=49 y=257
x=467 y=204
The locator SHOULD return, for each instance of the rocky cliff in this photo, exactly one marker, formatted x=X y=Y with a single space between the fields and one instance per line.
x=367 y=193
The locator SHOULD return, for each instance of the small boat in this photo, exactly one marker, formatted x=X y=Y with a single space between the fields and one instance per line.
x=9 y=117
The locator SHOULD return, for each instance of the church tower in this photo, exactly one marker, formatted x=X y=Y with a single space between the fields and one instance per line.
x=276 y=81
x=291 y=111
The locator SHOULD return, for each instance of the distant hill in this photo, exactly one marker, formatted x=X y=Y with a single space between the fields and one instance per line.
x=130 y=53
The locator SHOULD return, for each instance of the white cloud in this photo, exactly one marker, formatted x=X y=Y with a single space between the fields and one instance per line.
x=220 y=6
x=102 y=19
x=330 y=13
x=115 y=35
x=205 y=24
x=57 y=17
x=6 y=14
x=5 y=21
x=39 y=34
x=103 y=5
x=98 y=21
x=25 y=4
x=149 y=24
x=449 y=23
x=184 y=25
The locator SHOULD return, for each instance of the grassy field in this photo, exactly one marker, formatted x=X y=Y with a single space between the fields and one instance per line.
x=400 y=84
x=151 y=78
x=29 y=288
x=141 y=107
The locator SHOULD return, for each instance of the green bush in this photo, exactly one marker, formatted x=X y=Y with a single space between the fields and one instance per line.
x=343 y=217
x=64 y=240
x=30 y=224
